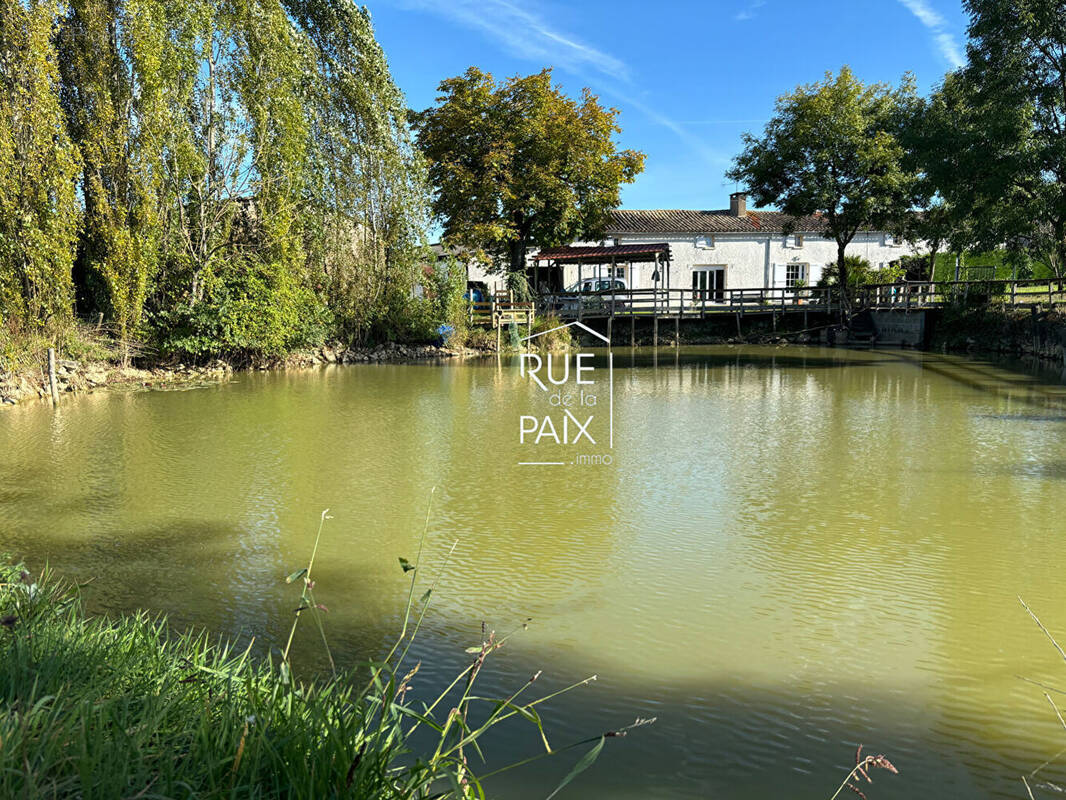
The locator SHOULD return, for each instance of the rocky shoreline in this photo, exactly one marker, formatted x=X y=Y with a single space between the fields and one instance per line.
x=74 y=377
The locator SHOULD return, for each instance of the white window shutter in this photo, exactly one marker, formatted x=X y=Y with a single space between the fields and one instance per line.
x=778 y=276
x=815 y=274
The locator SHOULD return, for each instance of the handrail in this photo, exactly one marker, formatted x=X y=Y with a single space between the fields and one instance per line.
x=905 y=294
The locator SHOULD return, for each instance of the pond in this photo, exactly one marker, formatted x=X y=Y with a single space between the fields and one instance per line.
x=792 y=551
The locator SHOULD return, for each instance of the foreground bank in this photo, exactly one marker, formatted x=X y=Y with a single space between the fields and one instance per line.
x=92 y=707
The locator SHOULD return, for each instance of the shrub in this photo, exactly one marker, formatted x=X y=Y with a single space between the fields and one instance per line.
x=861 y=272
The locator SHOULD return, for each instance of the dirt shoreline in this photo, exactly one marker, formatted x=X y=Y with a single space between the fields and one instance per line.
x=73 y=377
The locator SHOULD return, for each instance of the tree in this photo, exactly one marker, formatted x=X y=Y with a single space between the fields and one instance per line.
x=1014 y=93
x=518 y=164
x=833 y=149
x=39 y=214
x=112 y=106
x=937 y=137
x=368 y=200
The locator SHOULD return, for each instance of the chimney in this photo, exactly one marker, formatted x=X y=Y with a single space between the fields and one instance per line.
x=738 y=204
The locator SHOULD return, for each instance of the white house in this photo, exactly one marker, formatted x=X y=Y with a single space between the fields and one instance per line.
x=736 y=248
x=732 y=248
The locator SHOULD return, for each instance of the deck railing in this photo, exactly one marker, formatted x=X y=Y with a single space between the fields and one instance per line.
x=497 y=312
x=702 y=302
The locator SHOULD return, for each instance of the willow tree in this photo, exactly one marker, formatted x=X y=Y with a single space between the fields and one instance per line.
x=833 y=148
x=518 y=164
x=367 y=198
x=38 y=164
x=111 y=111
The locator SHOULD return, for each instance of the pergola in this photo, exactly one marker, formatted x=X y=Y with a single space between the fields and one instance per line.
x=556 y=257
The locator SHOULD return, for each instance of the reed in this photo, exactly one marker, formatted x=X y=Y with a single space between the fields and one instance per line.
x=126 y=708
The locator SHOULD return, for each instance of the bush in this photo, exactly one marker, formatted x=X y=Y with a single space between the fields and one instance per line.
x=559 y=338
x=861 y=272
x=249 y=310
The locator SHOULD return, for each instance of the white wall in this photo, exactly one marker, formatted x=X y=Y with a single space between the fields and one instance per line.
x=751 y=261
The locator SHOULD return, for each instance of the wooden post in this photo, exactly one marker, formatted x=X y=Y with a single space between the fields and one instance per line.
x=655 y=330
x=610 y=330
x=677 y=330
x=499 y=333
x=738 y=323
x=53 y=388
x=632 y=331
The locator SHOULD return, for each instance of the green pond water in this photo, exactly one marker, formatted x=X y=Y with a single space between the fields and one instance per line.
x=791 y=552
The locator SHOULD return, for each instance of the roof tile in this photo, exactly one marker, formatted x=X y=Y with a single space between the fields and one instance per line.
x=691 y=221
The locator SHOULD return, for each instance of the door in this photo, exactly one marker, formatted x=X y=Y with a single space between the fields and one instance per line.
x=708 y=284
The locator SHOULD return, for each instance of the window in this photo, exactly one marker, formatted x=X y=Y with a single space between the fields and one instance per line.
x=795 y=275
x=610 y=242
x=705 y=242
x=890 y=240
x=708 y=284
x=794 y=240
x=616 y=272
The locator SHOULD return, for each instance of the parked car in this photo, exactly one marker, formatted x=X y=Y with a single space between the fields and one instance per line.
x=593 y=293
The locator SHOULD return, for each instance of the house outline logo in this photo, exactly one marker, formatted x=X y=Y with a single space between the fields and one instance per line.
x=610 y=383
x=581 y=325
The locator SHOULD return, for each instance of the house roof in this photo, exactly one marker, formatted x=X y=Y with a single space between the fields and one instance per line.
x=601 y=255
x=691 y=221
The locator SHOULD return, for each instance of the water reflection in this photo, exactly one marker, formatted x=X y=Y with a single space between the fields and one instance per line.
x=795 y=550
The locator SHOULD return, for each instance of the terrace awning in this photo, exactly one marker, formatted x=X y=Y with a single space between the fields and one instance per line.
x=631 y=253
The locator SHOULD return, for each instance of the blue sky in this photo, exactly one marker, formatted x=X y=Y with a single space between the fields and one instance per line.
x=688 y=77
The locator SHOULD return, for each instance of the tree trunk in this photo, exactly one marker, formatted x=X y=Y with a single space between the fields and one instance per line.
x=932 y=260
x=516 y=269
x=842 y=278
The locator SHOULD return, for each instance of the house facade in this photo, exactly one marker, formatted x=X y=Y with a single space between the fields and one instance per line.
x=711 y=251
x=736 y=248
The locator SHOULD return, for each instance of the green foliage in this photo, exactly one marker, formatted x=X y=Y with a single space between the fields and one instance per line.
x=859 y=272
x=249 y=309
x=833 y=148
x=560 y=337
x=108 y=113
x=1002 y=140
x=997 y=264
x=245 y=174
x=518 y=164
x=38 y=206
x=447 y=282
x=97 y=707
x=367 y=197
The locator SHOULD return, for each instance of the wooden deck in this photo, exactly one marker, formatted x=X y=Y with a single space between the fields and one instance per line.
x=499 y=312
x=696 y=304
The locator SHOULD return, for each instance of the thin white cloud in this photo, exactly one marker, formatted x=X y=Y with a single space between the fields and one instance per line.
x=749 y=10
x=525 y=34
x=937 y=25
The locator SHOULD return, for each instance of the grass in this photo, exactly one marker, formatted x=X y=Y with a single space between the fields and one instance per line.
x=126 y=708
x=24 y=348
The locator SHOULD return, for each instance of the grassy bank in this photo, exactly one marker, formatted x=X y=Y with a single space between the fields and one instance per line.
x=99 y=708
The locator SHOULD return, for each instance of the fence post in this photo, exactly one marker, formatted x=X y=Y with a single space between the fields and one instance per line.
x=52 y=375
